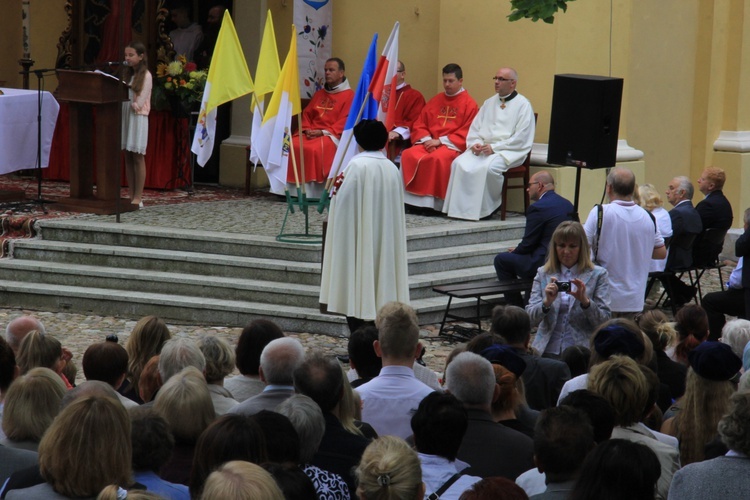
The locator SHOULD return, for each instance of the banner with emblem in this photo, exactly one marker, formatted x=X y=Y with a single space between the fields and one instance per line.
x=313 y=20
x=385 y=79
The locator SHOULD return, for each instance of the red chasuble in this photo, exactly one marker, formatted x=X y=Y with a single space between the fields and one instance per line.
x=325 y=111
x=409 y=103
x=427 y=174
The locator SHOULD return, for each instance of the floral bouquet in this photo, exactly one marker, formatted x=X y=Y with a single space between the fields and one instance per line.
x=179 y=86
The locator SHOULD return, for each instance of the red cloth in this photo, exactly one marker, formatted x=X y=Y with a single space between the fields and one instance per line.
x=325 y=111
x=409 y=104
x=168 y=148
x=427 y=174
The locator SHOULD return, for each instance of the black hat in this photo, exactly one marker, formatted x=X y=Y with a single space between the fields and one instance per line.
x=714 y=361
x=616 y=339
x=506 y=356
x=371 y=135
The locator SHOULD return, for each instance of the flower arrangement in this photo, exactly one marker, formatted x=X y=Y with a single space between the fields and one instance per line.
x=178 y=82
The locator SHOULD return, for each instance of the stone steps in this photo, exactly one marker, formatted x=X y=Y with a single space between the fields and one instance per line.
x=205 y=277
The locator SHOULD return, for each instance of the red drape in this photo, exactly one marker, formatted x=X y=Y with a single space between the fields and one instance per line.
x=110 y=49
x=167 y=154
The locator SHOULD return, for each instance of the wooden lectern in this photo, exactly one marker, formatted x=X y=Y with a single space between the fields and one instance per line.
x=84 y=91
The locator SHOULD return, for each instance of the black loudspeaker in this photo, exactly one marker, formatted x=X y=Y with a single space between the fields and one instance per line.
x=585 y=121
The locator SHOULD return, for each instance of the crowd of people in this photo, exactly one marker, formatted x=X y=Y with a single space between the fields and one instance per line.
x=658 y=410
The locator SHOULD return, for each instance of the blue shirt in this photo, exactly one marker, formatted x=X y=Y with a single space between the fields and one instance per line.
x=155 y=484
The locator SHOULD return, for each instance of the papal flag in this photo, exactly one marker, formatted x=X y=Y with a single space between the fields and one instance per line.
x=362 y=108
x=384 y=81
x=228 y=79
x=275 y=132
x=266 y=76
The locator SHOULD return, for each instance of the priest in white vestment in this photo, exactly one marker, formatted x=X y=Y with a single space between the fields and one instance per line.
x=364 y=264
x=500 y=138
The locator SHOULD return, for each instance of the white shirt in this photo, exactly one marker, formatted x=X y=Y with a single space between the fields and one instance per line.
x=437 y=470
x=532 y=481
x=390 y=399
x=664 y=224
x=628 y=238
x=735 y=279
x=423 y=374
x=572 y=385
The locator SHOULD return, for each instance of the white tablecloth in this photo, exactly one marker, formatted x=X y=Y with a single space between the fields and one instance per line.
x=18 y=128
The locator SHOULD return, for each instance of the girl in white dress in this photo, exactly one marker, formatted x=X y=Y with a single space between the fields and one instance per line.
x=135 y=119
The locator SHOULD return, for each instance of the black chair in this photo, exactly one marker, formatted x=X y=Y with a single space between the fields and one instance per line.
x=684 y=241
x=708 y=246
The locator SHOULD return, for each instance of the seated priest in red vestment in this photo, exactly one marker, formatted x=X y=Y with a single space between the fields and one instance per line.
x=439 y=136
x=409 y=104
x=323 y=122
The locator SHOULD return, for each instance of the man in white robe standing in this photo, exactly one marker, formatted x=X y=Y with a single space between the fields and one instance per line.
x=499 y=139
x=364 y=264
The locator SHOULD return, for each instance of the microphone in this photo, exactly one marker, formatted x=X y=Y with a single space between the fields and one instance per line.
x=40 y=72
x=112 y=63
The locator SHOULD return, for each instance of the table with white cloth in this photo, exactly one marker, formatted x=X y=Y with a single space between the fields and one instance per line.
x=18 y=128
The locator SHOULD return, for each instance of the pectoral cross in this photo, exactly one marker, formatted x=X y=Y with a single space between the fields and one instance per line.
x=502 y=103
x=445 y=114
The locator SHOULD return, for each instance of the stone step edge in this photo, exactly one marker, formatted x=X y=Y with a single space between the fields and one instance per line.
x=174 y=255
x=465 y=250
x=416 y=281
x=413 y=256
x=421 y=306
x=106 y=272
x=422 y=232
x=167 y=232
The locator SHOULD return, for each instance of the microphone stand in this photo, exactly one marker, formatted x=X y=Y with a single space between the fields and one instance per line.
x=40 y=73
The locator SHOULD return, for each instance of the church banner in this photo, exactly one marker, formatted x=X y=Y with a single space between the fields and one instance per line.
x=313 y=20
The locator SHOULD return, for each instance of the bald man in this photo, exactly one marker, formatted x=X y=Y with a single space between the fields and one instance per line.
x=500 y=138
x=624 y=243
x=18 y=328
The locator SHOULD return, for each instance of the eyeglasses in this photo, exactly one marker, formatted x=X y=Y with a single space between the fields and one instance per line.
x=501 y=79
x=532 y=183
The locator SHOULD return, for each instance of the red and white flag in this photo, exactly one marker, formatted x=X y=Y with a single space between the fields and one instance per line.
x=384 y=81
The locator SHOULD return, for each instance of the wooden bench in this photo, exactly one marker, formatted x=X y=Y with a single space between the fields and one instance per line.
x=478 y=290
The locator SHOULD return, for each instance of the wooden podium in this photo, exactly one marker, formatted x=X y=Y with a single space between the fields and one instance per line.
x=84 y=91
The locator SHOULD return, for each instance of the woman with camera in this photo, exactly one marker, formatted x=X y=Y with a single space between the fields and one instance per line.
x=570 y=295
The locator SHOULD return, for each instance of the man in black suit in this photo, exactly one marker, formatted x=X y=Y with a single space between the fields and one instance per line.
x=320 y=378
x=685 y=221
x=491 y=449
x=543 y=378
x=542 y=218
x=715 y=212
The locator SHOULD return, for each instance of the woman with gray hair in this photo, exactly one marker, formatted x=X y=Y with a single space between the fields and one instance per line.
x=727 y=476
x=185 y=403
x=736 y=334
x=309 y=422
x=219 y=363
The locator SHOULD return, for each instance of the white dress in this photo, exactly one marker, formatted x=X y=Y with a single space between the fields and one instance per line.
x=135 y=125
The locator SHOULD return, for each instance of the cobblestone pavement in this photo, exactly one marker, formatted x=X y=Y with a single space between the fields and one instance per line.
x=259 y=215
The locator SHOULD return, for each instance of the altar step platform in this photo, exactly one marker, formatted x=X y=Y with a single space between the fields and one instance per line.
x=218 y=278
